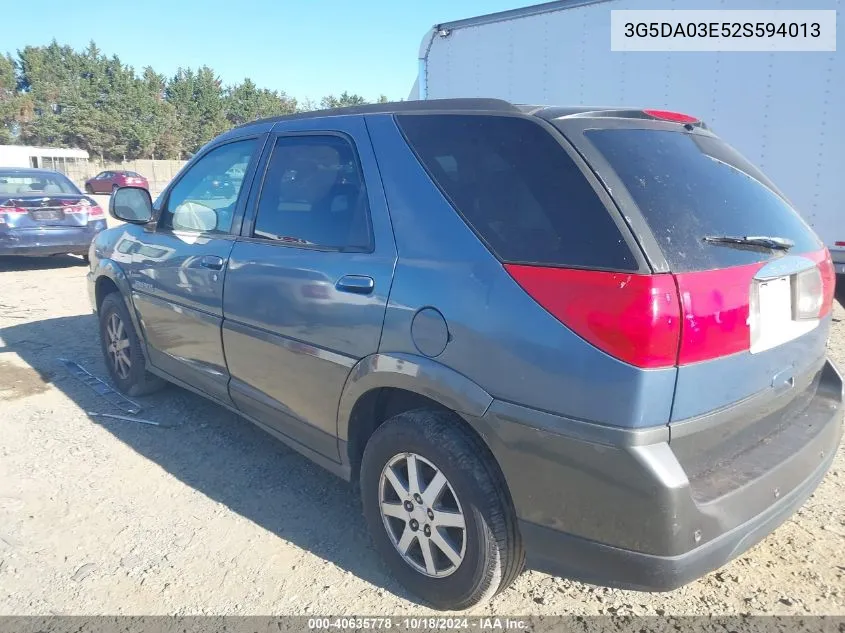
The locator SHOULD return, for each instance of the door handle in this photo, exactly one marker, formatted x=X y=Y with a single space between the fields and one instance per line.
x=212 y=262
x=356 y=284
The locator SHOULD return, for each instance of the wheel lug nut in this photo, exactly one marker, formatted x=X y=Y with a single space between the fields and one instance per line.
x=427 y=530
x=408 y=506
x=414 y=525
x=430 y=514
x=418 y=498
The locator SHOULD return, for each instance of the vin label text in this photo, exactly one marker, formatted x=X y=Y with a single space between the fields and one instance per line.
x=728 y=30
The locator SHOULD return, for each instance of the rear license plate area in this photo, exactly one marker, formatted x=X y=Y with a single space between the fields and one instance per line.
x=44 y=215
x=771 y=317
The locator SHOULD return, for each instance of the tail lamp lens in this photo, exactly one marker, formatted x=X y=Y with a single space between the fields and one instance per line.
x=824 y=263
x=635 y=318
x=715 y=305
x=7 y=212
x=662 y=320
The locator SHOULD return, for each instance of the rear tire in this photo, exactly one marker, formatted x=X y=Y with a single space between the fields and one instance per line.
x=122 y=350
x=488 y=547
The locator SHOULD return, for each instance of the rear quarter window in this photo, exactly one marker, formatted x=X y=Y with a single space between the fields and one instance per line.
x=518 y=189
x=689 y=186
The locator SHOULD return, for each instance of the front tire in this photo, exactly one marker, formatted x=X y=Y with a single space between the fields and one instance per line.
x=89 y=189
x=438 y=510
x=122 y=349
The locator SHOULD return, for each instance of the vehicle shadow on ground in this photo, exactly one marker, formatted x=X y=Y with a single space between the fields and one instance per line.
x=11 y=263
x=215 y=452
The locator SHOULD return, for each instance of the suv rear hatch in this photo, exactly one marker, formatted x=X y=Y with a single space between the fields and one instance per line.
x=754 y=283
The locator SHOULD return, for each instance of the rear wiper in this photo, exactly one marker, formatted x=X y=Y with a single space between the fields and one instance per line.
x=764 y=241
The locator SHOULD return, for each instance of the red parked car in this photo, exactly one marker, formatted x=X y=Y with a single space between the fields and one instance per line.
x=108 y=181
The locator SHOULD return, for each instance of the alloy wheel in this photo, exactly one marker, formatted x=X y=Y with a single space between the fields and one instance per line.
x=422 y=515
x=118 y=346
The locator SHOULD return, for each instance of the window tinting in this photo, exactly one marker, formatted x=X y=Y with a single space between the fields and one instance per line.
x=689 y=186
x=205 y=197
x=518 y=189
x=313 y=194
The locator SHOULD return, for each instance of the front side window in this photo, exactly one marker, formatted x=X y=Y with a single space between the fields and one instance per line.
x=205 y=198
x=313 y=195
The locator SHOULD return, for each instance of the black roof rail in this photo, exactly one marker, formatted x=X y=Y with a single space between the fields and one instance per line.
x=397 y=107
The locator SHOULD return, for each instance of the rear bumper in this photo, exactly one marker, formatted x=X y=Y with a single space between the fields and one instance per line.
x=617 y=508
x=49 y=242
x=598 y=563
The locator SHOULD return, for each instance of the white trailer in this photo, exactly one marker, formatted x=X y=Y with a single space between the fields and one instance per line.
x=40 y=157
x=783 y=111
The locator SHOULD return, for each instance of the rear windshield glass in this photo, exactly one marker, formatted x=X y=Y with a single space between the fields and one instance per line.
x=690 y=186
x=28 y=184
x=518 y=189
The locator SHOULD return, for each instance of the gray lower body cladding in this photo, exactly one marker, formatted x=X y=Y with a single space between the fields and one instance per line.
x=588 y=561
x=619 y=508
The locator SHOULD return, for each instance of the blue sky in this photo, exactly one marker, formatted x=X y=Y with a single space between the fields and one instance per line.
x=307 y=48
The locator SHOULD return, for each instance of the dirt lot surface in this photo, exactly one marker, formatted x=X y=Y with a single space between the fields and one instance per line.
x=211 y=516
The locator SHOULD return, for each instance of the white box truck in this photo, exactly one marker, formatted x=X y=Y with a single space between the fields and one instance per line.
x=782 y=110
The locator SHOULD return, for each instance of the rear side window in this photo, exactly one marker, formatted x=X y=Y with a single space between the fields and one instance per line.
x=691 y=186
x=314 y=195
x=518 y=189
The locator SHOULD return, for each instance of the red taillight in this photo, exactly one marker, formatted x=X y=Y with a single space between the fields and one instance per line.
x=839 y=243
x=635 y=318
x=666 y=115
x=659 y=320
x=715 y=304
x=6 y=212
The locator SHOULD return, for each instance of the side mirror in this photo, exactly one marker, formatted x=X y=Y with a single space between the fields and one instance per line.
x=193 y=216
x=131 y=204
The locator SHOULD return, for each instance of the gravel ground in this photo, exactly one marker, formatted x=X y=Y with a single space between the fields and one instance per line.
x=211 y=516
